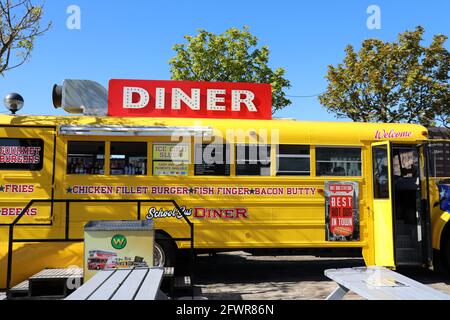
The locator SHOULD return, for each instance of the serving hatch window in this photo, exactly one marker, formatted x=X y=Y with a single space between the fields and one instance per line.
x=338 y=161
x=212 y=160
x=128 y=158
x=86 y=157
x=252 y=160
x=439 y=153
x=21 y=154
x=293 y=160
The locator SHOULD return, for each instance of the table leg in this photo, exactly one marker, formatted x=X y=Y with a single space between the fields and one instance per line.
x=338 y=293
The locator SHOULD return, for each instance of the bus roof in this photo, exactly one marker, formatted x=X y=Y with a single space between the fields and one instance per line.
x=289 y=131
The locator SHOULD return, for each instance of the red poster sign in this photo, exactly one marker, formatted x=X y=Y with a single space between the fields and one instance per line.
x=189 y=99
x=341 y=215
x=341 y=211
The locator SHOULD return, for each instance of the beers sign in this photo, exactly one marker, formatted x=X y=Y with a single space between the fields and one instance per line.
x=189 y=99
x=341 y=210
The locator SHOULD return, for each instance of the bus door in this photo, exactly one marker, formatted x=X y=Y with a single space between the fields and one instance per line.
x=383 y=209
x=400 y=217
x=412 y=227
x=26 y=173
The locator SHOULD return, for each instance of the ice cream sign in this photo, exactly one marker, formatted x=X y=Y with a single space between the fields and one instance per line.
x=189 y=99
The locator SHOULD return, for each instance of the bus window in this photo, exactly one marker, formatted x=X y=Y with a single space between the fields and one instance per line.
x=439 y=159
x=342 y=161
x=212 y=160
x=293 y=160
x=380 y=173
x=128 y=158
x=252 y=160
x=21 y=154
x=405 y=163
x=85 y=157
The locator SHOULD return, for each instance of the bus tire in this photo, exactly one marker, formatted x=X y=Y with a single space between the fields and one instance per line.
x=164 y=251
x=184 y=257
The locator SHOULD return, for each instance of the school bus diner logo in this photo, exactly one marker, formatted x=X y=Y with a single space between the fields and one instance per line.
x=118 y=241
x=199 y=213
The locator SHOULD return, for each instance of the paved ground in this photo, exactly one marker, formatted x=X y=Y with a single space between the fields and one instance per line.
x=239 y=276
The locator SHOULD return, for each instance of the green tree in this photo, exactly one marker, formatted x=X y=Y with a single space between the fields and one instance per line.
x=231 y=56
x=19 y=26
x=401 y=81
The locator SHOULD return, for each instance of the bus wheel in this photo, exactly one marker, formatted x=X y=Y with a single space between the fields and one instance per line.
x=164 y=251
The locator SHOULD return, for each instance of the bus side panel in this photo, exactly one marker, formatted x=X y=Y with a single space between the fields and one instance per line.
x=30 y=258
x=267 y=222
x=26 y=173
x=383 y=234
x=439 y=218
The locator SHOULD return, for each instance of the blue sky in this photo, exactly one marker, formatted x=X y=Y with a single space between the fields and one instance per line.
x=133 y=39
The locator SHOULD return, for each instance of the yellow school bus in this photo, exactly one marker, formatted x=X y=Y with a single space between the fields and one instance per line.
x=256 y=185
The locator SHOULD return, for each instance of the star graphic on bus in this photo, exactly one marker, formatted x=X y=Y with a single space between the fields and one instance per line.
x=191 y=190
x=2 y=188
x=444 y=197
x=252 y=191
x=69 y=190
x=443 y=194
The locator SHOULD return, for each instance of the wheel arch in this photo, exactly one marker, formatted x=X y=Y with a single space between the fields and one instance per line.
x=166 y=235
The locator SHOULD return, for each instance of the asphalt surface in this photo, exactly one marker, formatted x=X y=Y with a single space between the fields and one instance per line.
x=240 y=276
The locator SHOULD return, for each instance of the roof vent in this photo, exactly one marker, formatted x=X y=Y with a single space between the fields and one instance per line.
x=81 y=97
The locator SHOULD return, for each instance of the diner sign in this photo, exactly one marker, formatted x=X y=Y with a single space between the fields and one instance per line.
x=189 y=99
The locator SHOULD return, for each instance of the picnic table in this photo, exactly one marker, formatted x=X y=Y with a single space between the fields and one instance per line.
x=379 y=283
x=122 y=284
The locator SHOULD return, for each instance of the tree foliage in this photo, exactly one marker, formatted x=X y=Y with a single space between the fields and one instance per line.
x=401 y=81
x=231 y=56
x=19 y=26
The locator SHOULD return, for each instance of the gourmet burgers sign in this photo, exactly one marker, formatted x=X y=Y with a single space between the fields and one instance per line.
x=189 y=99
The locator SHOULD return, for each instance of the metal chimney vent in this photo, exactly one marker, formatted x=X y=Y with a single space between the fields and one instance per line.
x=82 y=97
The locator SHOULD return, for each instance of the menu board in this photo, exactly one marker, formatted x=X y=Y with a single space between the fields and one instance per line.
x=212 y=169
x=211 y=162
x=168 y=168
